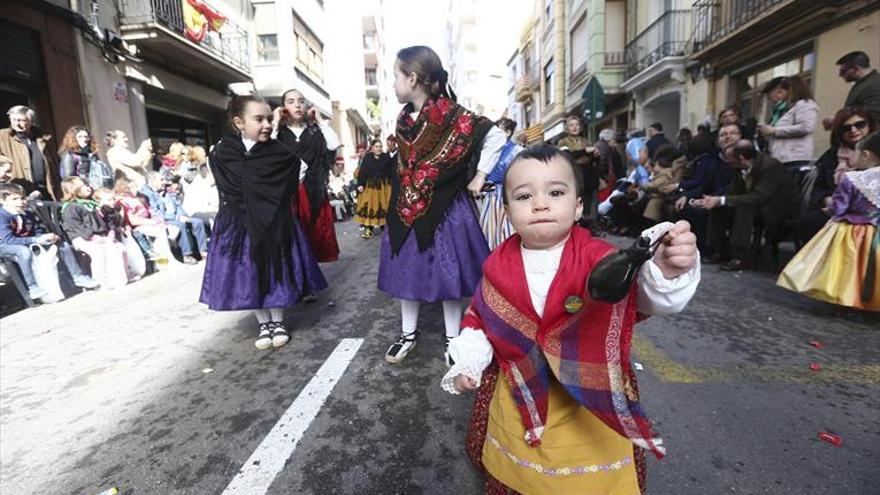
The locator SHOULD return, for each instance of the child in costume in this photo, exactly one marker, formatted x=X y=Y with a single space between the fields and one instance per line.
x=259 y=257
x=841 y=263
x=433 y=247
x=301 y=129
x=557 y=406
x=374 y=189
x=493 y=219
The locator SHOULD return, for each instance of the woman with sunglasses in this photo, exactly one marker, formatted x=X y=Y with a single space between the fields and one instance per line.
x=848 y=127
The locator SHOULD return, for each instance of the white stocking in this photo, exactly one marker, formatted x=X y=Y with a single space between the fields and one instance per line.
x=409 y=316
x=452 y=317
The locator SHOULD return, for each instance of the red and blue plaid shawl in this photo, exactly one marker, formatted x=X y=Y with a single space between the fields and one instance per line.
x=587 y=351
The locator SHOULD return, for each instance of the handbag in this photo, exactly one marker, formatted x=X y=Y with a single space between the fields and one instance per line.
x=45 y=267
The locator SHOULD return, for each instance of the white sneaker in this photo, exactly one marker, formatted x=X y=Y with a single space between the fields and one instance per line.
x=264 y=341
x=279 y=334
x=398 y=350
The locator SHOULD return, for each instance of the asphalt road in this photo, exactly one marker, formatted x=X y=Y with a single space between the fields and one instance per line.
x=113 y=390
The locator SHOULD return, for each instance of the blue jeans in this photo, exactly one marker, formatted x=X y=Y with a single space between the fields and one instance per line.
x=198 y=229
x=23 y=256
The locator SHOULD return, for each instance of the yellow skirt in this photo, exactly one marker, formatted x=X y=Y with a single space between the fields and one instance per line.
x=578 y=454
x=839 y=265
x=372 y=205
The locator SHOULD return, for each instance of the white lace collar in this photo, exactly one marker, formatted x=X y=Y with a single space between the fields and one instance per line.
x=868 y=183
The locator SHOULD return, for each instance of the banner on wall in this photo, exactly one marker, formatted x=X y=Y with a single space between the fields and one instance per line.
x=199 y=18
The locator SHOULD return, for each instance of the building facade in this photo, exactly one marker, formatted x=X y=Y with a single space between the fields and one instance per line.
x=159 y=69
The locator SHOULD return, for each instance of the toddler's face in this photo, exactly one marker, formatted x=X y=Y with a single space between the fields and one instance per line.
x=14 y=203
x=542 y=201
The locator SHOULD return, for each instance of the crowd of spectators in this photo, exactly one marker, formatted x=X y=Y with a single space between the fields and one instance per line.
x=743 y=184
x=110 y=217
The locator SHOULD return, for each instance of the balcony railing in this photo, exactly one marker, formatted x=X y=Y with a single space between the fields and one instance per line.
x=615 y=58
x=665 y=37
x=715 y=19
x=229 y=45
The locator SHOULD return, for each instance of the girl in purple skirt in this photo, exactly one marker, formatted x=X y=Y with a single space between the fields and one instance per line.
x=259 y=257
x=433 y=248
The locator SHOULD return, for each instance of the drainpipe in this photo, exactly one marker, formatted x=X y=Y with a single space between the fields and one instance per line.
x=559 y=55
x=88 y=108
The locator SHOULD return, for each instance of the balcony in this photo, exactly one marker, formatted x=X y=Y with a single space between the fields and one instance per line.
x=715 y=19
x=525 y=87
x=665 y=37
x=157 y=28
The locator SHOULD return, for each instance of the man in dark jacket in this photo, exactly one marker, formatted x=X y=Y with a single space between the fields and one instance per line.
x=33 y=163
x=855 y=67
x=656 y=139
x=760 y=189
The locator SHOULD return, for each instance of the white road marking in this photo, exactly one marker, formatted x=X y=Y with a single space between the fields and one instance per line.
x=259 y=471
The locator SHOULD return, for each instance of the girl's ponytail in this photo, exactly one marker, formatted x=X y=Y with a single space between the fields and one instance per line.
x=425 y=63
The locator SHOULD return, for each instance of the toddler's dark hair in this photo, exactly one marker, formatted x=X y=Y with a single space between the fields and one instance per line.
x=9 y=189
x=545 y=153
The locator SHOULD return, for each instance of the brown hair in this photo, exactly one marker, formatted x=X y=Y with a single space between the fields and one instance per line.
x=237 y=105
x=426 y=65
x=842 y=116
x=68 y=143
x=121 y=185
x=69 y=187
x=796 y=87
x=9 y=189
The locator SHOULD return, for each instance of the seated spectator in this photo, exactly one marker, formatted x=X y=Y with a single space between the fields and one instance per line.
x=5 y=170
x=667 y=161
x=730 y=116
x=850 y=126
x=169 y=209
x=625 y=203
x=706 y=174
x=19 y=229
x=132 y=166
x=176 y=162
x=137 y=216
x=90 y=234
x=114 y=216
x=790 y=129
x=683 y=141
x=761 y=190
x=337 y=190
x=200 y=196
x=656 y=139
x=79 y=158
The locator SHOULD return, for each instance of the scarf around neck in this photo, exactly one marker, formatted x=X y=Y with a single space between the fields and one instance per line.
x=436 y=152
x=311 y=147
x=256 y=186
x=582 y=343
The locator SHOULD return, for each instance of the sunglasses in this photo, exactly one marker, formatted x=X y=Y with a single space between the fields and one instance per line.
x=855 y=125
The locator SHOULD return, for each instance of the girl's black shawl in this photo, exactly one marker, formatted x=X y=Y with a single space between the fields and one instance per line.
x=257 y=186
x=373 y=167
x=312 y=149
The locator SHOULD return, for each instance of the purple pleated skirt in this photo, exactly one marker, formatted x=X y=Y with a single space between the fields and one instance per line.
x=449 y=269
x=230 y=281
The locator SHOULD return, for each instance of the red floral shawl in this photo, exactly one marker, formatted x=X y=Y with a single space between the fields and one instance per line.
x=437 y=150
x=587 y=351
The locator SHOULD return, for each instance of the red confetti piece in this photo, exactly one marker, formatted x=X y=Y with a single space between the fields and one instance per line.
x=817 y=344
x=815 y=366
x=832 y=439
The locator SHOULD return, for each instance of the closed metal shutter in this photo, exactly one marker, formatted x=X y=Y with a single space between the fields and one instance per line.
x=22 y=58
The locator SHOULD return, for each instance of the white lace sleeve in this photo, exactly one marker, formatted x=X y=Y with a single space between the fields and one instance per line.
x=661 y=296
x=492 y=145
x=472 y=353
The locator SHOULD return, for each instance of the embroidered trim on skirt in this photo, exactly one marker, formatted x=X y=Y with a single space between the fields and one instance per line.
x=373 y=203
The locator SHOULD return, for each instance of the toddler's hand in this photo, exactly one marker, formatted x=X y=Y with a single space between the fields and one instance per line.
x=678 y=252
x=463 y=383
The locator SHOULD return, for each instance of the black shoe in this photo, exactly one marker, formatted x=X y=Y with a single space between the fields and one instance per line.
x=449 y=361
x=398 y=350
x=264 y=341
x=735 y=265
x=279 y=334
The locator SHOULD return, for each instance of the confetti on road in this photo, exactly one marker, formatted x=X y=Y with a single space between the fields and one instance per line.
x=832 y=439
x=638 y=366
x=817 y=344
x=208 y=370
x=815 y=366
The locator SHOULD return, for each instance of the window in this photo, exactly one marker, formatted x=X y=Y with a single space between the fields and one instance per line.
x=267 y=32
x=371 y=77
x=309 y=50
x=579 y=46
x=267 y=48
x=751 y=102
x=549 y=86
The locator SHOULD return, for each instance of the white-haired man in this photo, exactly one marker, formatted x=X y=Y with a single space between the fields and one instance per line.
x=33 y=164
